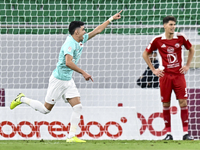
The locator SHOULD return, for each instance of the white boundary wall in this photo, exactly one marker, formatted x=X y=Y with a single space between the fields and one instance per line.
x=146 y=101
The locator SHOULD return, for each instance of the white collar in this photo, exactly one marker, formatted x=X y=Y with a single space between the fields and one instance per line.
x=174 y=37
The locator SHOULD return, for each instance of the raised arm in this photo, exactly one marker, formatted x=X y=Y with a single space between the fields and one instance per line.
x=101 y=27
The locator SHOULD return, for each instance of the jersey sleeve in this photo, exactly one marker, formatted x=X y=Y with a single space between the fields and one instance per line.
x=69 y=49
x=152 y=46
x=85 y=38
x=186 y=42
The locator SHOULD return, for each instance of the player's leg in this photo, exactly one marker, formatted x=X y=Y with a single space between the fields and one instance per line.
x=37 y=105
x=181 y=94
x=184 y=118
x=167 y=120
x=72 y=97
x=165 y=91
x=75 y=119
x=53 y=93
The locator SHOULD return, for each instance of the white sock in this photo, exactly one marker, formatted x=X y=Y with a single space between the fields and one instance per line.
x=169 y=133
x=37 y=105
x=75 y=118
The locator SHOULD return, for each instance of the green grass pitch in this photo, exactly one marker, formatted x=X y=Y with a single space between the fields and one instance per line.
x=98 y=145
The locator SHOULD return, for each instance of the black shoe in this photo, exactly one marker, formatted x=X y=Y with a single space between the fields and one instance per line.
x=187 y=137
x=168 y=137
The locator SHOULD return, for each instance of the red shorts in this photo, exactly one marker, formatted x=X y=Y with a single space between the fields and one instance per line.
x=171 y=82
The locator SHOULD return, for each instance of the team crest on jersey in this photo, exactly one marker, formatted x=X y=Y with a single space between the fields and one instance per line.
x=170 y=49
x=81 y=45
x=69 y=49
x=177 y=45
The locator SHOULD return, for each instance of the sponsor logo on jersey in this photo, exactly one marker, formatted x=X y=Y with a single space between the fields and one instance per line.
x=69 y=49
x=177 y=45
x=172 y=58
x=163 y=45
x=170 y=49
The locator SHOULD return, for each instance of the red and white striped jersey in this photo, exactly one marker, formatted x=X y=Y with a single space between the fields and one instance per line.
x=170 y=50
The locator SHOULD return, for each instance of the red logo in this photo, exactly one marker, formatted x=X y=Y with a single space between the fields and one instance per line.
x=148 y=123
x=177 y=45
x=53 y=131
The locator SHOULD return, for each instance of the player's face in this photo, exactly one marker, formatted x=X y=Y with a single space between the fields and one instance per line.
x=170 y=27
x=81 y=32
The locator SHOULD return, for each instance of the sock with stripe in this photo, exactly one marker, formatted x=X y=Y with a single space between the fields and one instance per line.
x=167 y=119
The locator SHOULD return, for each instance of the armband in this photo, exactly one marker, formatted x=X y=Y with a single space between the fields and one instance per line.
x=110 y=19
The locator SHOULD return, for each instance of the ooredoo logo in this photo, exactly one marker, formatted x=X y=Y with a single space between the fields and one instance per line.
x=148 y=124
x=53 y=128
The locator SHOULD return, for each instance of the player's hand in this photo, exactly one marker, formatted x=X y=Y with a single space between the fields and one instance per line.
x=158 y=72
x=87 y=76
x=117 y=15
x=184 y=69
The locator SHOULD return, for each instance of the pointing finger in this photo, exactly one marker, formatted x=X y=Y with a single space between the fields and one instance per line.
x=91 y=79
x=120 y=11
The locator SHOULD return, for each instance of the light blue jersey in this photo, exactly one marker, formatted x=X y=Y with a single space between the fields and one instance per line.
x=73 y=48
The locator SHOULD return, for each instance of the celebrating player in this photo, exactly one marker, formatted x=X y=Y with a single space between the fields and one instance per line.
x=61 y=84
x=172 y=71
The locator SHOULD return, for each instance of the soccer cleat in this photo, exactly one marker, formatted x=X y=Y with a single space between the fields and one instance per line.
x=168 y=137
x=16 y=101
x=75 y=140
x=187 y=137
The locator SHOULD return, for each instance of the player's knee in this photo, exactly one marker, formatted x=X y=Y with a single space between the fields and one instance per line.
x=166 y=104
x=183 y=103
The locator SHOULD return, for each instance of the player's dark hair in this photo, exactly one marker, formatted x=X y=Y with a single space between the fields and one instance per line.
x=169 y=18
x=74 y=25
x=154 y=52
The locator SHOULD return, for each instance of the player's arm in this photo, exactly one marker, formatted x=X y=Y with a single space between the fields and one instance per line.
x=185 y=68
x=101 y=27
x=157 y=72
x=69 y=63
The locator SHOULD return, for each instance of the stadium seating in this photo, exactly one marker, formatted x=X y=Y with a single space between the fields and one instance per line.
x=62 y=12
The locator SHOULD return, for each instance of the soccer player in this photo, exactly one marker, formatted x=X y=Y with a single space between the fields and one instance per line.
x=61 y=84
x=171 y=74
x=148 y=79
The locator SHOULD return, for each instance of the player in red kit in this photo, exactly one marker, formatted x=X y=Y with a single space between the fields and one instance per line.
x=171 y=71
